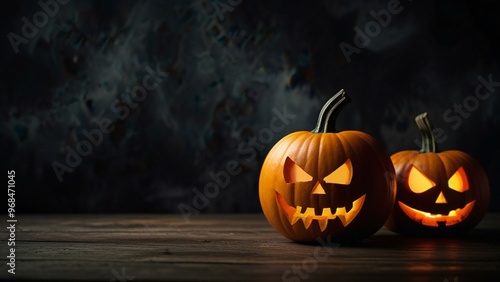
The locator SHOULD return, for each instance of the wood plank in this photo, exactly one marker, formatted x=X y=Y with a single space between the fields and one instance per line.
x=236 y=248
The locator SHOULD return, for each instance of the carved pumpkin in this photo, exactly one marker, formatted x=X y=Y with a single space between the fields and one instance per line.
x=325 y=183
x=443 y=193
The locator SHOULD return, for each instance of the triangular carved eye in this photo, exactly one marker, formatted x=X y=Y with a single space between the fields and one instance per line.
x=294 y=173
x=342 y=175
x=458 y=181
x=418 y=182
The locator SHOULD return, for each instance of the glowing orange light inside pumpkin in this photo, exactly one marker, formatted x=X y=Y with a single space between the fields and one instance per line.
x=318 y=189
x=294 y=173
x=453 y=217
x=441 y=199
x=418 y=182
x=458 y=181
x=294 y=214
x=342 y=175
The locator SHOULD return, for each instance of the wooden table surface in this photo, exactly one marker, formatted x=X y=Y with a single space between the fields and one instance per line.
x=238 y=247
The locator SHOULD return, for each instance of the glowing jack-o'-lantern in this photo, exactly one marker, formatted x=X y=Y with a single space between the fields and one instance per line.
x=438 y=193
x=325 y=183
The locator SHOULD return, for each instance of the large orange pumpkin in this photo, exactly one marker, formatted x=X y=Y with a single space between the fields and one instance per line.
x=443 y=193
x=327 y=184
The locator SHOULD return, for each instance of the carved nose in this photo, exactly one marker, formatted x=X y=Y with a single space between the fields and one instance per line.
x=318 y=189
x=441 y=199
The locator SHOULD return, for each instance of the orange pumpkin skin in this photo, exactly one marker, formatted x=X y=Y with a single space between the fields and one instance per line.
x=457 y=200
x=319 y=154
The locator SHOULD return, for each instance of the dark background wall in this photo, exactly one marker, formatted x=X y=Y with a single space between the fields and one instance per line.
x=222 y=74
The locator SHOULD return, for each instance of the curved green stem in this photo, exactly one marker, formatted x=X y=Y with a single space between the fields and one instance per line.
x=330 y=112
x=428 y=139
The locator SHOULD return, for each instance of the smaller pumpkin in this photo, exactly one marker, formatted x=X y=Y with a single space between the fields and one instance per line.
x=327 y=184
x=438 y=194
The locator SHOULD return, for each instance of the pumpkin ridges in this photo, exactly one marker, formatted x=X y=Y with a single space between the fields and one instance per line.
x=304 y=192
x=352 y=142
x=303 y=140
x=327 y=148
x=406 y=155
x=280 y=148
x=477 y=176
x=386 y=164
x=438 y=167
x=402 y=160
x=340 y=153
x=332 y=148
x=314 y=198
x=376 y=147
x=433 y=161
x=350 y=139
x=389 y=172
x=346 y=139
x=320 y=155
x=451 y=161
x=271 y=209
x=454 y=161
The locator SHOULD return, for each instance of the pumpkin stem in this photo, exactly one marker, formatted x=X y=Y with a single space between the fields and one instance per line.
x=428 y=139
x=330 y=111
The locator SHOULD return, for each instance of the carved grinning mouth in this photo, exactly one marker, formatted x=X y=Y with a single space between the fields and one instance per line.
x=294 y=214
x=428 y=219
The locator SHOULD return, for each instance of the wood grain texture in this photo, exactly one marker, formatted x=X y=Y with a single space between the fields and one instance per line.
x=235 y=248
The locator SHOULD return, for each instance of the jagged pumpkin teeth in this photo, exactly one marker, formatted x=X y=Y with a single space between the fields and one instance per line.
x=325 y=178
x=309 y=214
x=453 y=217
x=323 y=223
x=438 y=193
x=307 y=221
x=327 y=213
